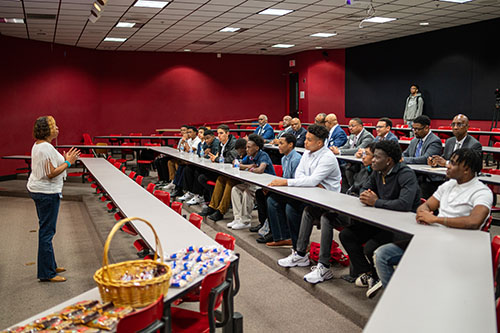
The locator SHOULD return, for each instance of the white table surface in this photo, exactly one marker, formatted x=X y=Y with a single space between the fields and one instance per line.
x=444 y=282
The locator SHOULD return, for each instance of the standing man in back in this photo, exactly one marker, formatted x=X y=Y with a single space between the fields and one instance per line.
x=414 y=105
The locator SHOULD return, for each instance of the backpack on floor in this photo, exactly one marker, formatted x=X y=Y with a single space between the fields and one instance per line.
x=337 y=256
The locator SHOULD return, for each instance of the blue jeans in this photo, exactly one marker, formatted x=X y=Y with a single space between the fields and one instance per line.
x=276 y=206
x=386 y=257
x=293 y=212
x=47 y=208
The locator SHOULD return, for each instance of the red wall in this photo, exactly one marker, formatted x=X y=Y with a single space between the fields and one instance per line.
x=102 y=92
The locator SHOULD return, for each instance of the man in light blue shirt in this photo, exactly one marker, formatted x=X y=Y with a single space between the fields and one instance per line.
x=264 y=129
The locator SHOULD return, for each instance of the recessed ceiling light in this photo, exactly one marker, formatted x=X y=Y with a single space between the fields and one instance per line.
x=279 y=12
x=150 y=4
x=323 y=34
x=187 y=50
x=457 y=1
x=424 y=23
x=13 y=20
x=318 y=47
x=96 y=6
x=378 y=19
x=115 y=39
x=229 y=29
x=283 y=46
x=125 y=24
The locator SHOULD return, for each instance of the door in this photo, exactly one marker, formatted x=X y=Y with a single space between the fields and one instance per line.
x=294 y=95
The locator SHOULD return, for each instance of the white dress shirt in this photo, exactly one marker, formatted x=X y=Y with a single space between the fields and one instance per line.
x=320 y=167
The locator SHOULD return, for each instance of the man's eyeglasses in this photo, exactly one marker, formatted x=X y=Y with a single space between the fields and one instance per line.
x=416 y=129
x=459 y=125
x=379 y=127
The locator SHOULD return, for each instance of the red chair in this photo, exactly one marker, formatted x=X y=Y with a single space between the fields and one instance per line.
x=177 y=206
x=111 y=160
x=496 y=156
x=132 y=174
x=213 y=291
x=127 y=228
x=495 y=138
x=495 y=253
x=151 y=188
x=119 y=216
x=136 y=141
x=278 y=169
x=139 y=179
x=117 y=165
x=474 y=129
x=225 y=240
x=401 y=134
x=164 y=196
x=488 y=224
x=195 y=220
x=111 y=207
x=123 y=169
x=405 y=138
x=444 y=135
x=143 y=318
x=113 y=141
x=87 y=140
x=140 y=245
x=158 y=141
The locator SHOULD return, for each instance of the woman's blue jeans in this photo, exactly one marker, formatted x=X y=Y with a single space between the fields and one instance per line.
x=47 y=208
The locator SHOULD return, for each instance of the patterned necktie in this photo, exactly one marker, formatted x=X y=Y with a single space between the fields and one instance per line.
x=419 y=147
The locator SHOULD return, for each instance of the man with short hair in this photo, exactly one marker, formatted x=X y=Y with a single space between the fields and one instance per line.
x=392 y=185
x=336 y=136
x=299 y=132
x=189 y=145
x=460 y=139
x=359 y=138
x=287 y=127
x=243 y=195
x=383 y=128
x=161 y=164
x=264 y=129
x=318 y=167
x=425 y=143
x=320 y=119
x=463 y=202
x=280 y=234
x=414 y=105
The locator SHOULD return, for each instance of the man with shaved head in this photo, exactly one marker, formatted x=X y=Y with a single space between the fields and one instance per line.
x=337 y=136
x=264 y=129
x=460 y=139
x=287 y=128
x=299 y=132
x=320 y=119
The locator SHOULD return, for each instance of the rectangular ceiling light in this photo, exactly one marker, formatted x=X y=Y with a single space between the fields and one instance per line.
x=12 y=20
x=125 y=24
x=323 y=34
x=457 y=1
x=150 y=4
x=229 y=29
x=283 y=46
x=114 y=39
x=378 y=19
x=278 y=12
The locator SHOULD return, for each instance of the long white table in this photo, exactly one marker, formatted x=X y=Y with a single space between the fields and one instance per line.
x=444 y=283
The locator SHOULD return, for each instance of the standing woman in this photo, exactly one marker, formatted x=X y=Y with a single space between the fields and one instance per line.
x=45 y=187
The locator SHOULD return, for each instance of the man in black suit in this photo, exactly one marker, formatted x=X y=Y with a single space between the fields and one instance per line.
x=424 y=145
x=460 y=139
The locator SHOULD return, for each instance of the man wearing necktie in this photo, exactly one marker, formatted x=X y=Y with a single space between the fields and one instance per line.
x=336 y=136
x=425 y=143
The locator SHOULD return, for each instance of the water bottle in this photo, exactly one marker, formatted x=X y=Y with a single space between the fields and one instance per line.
x=191 y=150
x=221 y=159
x=202 y=153
x=181 y=147
x=236 y=163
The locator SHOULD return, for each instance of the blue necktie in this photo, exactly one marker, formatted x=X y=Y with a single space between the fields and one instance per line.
x=419 y=148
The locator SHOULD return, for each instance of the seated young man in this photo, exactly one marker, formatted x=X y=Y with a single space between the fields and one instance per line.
x=463 y=202
x=392 y=185
x=188 y=145
x=279 y=234
x=330 y=220
x=317 y=167
x=161 y=165
x=221 y=196
x=243 y=195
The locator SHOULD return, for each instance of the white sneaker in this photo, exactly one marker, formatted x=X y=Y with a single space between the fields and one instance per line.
x=186 y=196
x=197 y=199
x=294 y=260
x=318 y=274
x=241 y=225
x=233 y=222
x=170 y=186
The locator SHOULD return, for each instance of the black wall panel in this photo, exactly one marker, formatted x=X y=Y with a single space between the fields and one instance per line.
x=457 y=69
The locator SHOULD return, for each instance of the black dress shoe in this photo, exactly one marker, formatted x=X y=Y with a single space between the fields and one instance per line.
x=207 y=211
x=216 y=216
x=256 y=228
x=177 y=193
x=263 y=240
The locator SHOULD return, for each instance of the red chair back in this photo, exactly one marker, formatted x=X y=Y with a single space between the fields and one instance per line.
x=111 y=160
x=87 y=155
x=225 y=240
x=473 y=129
x=142 y=318
x=177 y=206
x=119 y=216
x=278 y=169
x=488 y=224
x=139 y=179
x=495 y=252
x=164 y=196
x=495 y=138
x=195 y=220
x=151 y=187
x=132 y=174
x=209 y=282
x=444 y=135
x=114 y=140
x=123 y=169
x=117 y=165
x=87 y=140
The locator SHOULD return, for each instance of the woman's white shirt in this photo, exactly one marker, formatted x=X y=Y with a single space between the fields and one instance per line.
x=38 y=182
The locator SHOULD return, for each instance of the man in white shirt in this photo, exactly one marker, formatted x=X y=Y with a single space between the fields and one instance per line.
x=188 y=145
x=318 y=167
x=464 y=202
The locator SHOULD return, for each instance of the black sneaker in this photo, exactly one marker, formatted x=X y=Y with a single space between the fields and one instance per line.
x=216 y=216
x=256 y=228
x=177 y=193
x=264 y=240
x=207 y=211
x=374 y=285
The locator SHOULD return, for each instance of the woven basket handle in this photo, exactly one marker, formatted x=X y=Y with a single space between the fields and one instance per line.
x=117 y=226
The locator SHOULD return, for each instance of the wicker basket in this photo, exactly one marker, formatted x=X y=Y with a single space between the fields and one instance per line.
x=136 y=293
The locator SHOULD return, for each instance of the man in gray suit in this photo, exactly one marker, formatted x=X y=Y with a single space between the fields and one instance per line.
x=359 y=138
x=425 y=143
x=460 y=139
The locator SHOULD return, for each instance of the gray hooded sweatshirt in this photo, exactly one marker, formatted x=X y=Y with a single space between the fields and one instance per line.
x=414 y=107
